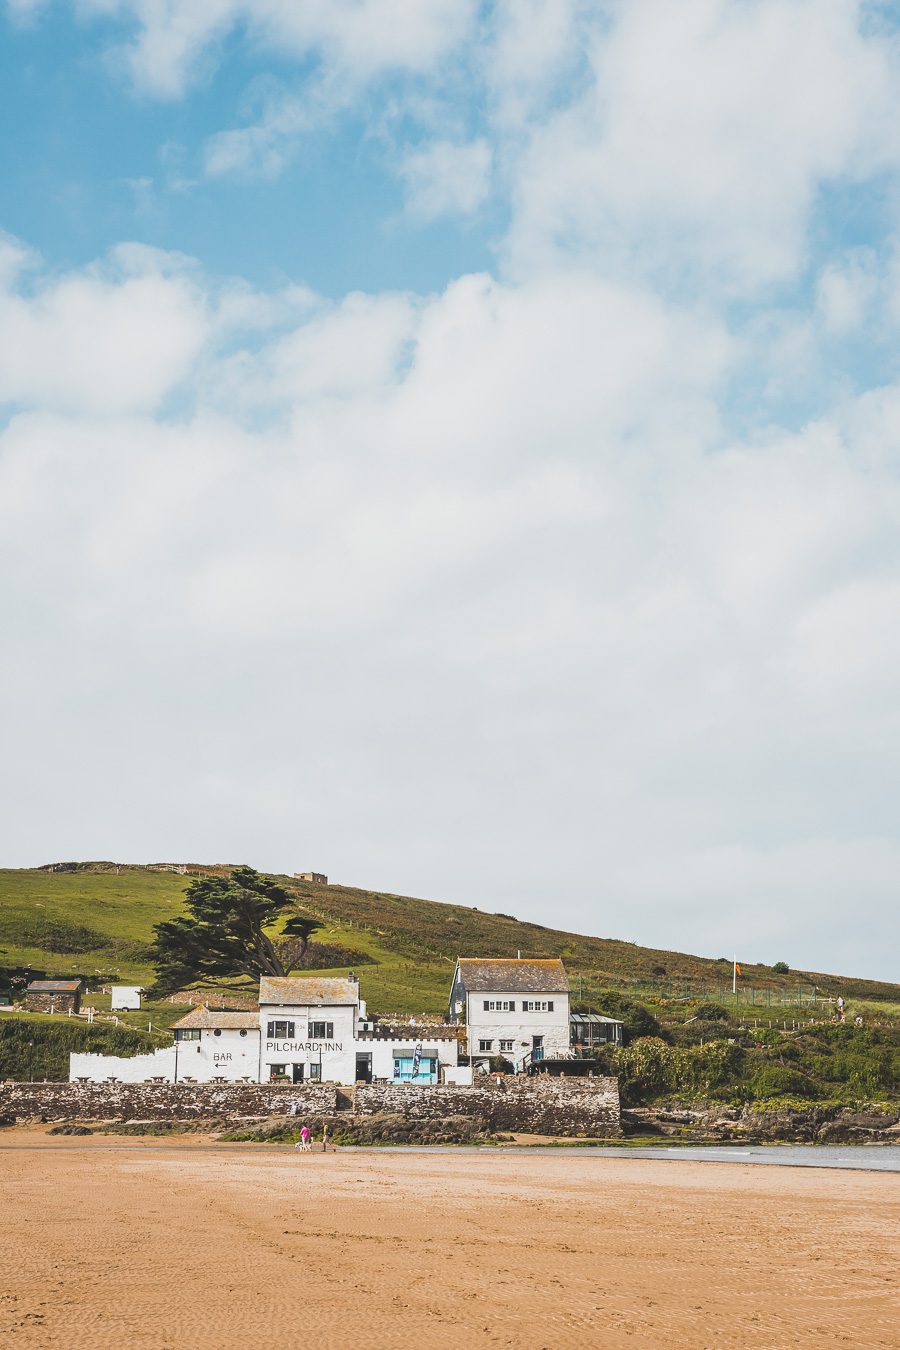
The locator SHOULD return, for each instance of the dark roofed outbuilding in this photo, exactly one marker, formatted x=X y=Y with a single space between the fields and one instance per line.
x=53 y=996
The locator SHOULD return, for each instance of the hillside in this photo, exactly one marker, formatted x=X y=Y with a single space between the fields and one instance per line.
x=779 y=1040
x=97 y=921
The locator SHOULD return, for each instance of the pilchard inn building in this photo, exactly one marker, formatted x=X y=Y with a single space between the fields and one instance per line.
x=316 y=1029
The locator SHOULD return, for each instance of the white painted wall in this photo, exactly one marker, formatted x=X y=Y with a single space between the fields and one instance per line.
x=519 y=1026
x=136 y=1069
x=334 y=1057
x=225 y=1053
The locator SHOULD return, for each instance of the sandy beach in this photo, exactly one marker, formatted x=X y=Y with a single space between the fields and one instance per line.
x=168 y=1244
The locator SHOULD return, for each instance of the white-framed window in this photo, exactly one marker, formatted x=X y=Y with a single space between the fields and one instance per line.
x=188 y=1034
x=321 y=1031
x=280 y=1031
x=277 y=1070
x=538 y=1005
x=499 y=1005
x=485 y=1047
x=315 y=1073
x=506 y=1047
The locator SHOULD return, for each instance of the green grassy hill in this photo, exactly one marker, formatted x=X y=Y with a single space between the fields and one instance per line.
x=96 y=920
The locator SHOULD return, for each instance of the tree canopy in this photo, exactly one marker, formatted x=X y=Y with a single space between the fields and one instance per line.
x=222 y=935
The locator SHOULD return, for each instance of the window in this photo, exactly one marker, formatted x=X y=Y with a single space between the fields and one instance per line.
x=277 y=1071
x=188 y=1035
x=321 y=1031
x=538 y=1005
x=506 y=1046
x=485 y=1047
x=218 y=1031
x=280 y=1031
x=499 y=1005
x=243 y=1033
x=315 y=1073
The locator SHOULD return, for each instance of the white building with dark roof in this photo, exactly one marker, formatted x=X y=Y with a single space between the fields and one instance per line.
x=515 y=1009
x=308 y=1028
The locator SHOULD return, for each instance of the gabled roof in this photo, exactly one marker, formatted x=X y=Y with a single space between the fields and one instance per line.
x=53 y=987
x=513 y=977
x=209 y=1018
x=307 y=991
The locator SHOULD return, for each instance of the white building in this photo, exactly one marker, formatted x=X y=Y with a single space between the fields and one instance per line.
x=518 y=1010
x=307 y=1029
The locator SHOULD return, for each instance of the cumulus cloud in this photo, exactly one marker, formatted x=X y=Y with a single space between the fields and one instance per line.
x=545 y=591
x=111 y=338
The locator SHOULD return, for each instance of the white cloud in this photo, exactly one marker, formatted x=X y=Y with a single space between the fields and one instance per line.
x=432 y=576
x=108 y=339
x=358 y=39
x=845 y=289
x=446 y=179
x=703 y=132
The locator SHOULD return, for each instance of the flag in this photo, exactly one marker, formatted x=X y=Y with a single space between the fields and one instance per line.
x=737 y=968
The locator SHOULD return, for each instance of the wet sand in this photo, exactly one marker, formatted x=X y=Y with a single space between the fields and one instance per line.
x=181 y=1245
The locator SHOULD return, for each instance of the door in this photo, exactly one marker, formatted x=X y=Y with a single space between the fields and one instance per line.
x=298 y=1073
x=363 y=1068
x=537 y=1048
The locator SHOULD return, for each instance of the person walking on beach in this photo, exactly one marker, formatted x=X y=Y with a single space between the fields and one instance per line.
x=304 y=1143
x=325 y=1138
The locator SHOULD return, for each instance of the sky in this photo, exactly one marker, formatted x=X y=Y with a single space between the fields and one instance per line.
x=454 y=446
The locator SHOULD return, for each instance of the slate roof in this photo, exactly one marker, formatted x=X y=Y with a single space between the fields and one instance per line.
x=307 y=991
x=53 y=987
x=513 y=977
x=209 y=1018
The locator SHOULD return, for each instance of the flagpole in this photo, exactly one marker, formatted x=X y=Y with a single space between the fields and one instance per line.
x=734 y=977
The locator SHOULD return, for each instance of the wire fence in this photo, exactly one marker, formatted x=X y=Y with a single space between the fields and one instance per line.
x=589 y=987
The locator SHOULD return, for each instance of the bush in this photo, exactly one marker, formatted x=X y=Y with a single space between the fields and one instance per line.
x=781 y=968
x=55 y=935
x=637 y=1020
x=712 y=1012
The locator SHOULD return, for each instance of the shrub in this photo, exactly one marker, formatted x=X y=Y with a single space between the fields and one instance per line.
x=781 y=968
x=55 y=935
x=711 y=1012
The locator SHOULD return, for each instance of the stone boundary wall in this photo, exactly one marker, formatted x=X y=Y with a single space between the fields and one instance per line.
x=60 y=1102
x=557 y=1106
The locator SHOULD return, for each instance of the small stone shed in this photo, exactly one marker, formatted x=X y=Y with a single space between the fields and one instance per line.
x=53 y=996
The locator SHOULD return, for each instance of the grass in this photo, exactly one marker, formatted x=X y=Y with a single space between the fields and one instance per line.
x=411 y=943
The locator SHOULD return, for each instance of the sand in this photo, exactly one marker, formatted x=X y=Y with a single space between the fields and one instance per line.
x=166 y=1244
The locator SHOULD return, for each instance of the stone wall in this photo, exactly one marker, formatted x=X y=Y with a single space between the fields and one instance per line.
x=161 y=1101
x=557 y=1106
x=52 y=1003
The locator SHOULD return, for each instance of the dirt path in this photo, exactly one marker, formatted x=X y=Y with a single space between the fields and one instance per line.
x=194 y=1248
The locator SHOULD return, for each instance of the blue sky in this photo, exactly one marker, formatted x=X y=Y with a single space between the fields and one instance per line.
x=94 y=161
x=455 y=446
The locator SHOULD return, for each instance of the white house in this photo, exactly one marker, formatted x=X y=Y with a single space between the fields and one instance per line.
x=307 y=1029
x=515 y=1009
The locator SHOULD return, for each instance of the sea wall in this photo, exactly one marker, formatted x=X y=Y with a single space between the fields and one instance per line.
x=558 y=1106
x=60 y=1102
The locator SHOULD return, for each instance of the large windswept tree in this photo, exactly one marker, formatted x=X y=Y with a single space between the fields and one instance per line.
x=222 y=935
